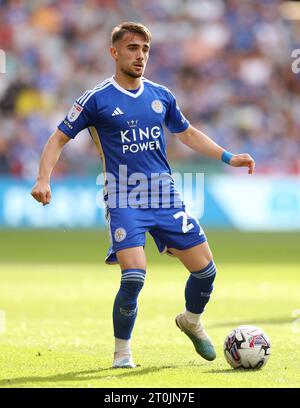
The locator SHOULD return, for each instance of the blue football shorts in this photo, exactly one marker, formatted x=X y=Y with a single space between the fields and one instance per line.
x=169 y=227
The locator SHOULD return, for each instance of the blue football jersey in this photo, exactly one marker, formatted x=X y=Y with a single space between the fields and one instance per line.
x=127 y=128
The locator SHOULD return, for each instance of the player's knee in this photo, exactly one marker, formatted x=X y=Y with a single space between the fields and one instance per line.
x=132 y=258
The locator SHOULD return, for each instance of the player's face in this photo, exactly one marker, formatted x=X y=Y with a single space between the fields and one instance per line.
x=131 y=54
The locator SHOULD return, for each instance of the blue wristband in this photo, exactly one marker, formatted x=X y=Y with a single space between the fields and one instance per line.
x=226 y=157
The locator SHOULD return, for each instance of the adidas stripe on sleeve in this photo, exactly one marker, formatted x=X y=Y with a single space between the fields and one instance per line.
x=175 y=121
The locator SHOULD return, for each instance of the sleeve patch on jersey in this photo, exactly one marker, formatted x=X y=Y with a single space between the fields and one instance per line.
x=74 y=112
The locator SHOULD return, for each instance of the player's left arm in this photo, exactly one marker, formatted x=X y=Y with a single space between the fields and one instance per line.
x=203 y=144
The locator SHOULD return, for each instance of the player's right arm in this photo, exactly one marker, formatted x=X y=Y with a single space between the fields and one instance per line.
x=41 y=190
x=80 y=117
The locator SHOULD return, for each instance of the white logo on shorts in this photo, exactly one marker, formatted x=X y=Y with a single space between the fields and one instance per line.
x=157 y=106
x=74 y=112
x=120 y=234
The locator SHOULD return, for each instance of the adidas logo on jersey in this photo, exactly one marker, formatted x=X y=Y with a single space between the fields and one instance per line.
x=117 y=112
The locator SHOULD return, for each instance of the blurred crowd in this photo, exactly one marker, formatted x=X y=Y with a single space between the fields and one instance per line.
x=227 y=61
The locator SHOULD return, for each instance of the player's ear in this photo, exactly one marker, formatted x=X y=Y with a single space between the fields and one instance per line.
x=114 y=53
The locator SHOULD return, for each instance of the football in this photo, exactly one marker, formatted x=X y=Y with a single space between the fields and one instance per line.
x=247 y=347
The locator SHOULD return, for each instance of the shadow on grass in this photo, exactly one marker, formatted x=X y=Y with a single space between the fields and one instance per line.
x=89 y=375
x=231 y=371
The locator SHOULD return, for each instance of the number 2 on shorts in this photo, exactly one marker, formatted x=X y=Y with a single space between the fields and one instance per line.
x=185 y=226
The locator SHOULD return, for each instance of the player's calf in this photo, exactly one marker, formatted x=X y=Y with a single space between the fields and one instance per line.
x=199 y=287
x=124 y=315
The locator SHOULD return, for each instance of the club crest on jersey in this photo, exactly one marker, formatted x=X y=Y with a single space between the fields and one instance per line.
x=74 y=112
x=157 y=106
x=120 y=234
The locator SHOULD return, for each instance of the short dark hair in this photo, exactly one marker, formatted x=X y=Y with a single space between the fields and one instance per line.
x=130 y=27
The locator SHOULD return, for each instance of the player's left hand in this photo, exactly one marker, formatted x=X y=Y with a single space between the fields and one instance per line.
x=243 y=160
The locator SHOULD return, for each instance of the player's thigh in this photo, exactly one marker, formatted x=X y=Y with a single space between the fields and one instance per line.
x=195 y=258
x=181 y=234
x=131 y=258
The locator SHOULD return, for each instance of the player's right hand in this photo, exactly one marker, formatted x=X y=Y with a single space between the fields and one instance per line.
x=41 y=192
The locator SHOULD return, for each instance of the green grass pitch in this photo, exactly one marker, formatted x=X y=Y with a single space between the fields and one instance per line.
x=56 y=296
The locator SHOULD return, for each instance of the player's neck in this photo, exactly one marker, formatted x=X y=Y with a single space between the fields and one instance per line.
x=127 y=82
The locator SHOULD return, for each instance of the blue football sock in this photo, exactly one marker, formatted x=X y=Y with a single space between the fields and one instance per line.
x=198 y=288
x=125 y=305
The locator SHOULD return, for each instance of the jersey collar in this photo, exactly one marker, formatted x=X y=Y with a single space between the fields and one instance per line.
x=133 y=95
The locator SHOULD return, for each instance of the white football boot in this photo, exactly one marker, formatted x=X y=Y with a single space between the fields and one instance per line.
x=123 y=360
x=202 y=343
